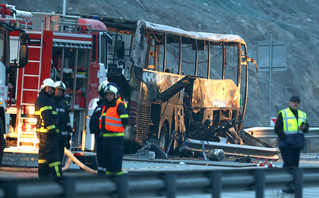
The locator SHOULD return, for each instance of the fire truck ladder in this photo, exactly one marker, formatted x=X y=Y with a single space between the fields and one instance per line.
x=30 y=86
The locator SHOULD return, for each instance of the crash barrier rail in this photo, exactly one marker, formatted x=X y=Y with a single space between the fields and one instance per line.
x=269 y=132
x=268 y=135
x=164 y=184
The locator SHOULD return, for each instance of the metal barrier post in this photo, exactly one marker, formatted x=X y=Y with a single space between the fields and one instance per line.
x=170 y=185
x=68 y=187
x=260 y=183
x=122 y=186
x=216 y=183
x=298 y=182
x=10 y=188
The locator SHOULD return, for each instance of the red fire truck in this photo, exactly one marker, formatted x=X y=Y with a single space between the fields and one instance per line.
x=61 y=47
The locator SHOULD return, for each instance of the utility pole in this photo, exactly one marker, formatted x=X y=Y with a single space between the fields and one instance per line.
x=64 y=8
x=270 y=72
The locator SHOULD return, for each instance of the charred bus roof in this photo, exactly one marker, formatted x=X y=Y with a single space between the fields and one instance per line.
x=130 y=26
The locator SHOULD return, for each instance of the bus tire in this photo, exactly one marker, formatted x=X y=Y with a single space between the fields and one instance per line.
x=2 y=132
x=163 y=140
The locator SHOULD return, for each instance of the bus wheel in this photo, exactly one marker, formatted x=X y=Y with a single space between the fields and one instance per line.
x=163 y=138
x=1 y=140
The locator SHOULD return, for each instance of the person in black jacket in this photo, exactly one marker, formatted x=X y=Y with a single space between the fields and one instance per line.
x=94 y=128
x=64 y=124
x=48 y=157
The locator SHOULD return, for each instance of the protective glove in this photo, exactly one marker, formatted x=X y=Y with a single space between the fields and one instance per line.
x=67 y=145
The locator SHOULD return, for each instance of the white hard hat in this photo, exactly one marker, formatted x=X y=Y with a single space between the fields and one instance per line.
x=112 y=89
x=101 y=88
x=59 y=84
x=47 y=83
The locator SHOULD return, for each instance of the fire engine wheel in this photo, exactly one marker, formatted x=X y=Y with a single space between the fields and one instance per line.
x=1 y=140
x=163 y=138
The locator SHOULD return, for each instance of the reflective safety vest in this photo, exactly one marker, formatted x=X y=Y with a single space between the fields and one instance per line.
x=112 y=120
x=290 y=121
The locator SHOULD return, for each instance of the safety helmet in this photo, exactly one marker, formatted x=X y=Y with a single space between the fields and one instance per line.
x=48 y=82
x=112 y=89
x=101 y=88
x=60 y=85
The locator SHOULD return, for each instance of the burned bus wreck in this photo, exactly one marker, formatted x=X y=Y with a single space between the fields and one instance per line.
x=185 y=90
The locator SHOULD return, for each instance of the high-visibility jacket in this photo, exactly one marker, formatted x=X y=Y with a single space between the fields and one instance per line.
x=290 y=124
x=45 y=113
x=111 y=120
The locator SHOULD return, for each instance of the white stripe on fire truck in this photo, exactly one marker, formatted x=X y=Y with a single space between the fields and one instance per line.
x=70 y=35
x=72 y=41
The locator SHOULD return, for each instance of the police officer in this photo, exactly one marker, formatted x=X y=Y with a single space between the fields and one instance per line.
x=112 y=123
x=94 y=128
x=48 y=158
x=64 y=124
x=290 y=127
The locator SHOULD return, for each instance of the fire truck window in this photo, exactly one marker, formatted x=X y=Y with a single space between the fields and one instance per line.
x=94 y=48
x=2 y=45
x=104 y=51
x=216 y=61
x=14 y=46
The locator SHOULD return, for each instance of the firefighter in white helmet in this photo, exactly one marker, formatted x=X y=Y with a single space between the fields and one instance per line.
x=48 y=159
x=114 y=119
x=94 y=128
x=64 y=124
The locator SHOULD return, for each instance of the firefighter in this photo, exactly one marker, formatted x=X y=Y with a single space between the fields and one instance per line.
x=64 y=124
x=114 y=119
x=94 y=128
x=48 y=158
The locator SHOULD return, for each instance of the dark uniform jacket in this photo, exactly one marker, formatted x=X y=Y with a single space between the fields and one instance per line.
x=95 y=118
x=62 y=108
x=46 y=113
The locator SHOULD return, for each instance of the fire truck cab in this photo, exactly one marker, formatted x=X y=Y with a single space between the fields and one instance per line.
x=65 y=48
x=5 y=66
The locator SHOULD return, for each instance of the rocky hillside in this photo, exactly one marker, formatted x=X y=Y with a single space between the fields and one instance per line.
x=292 y=21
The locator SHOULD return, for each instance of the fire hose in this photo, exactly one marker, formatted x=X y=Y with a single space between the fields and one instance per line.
x=71 y=158
x=78 y=162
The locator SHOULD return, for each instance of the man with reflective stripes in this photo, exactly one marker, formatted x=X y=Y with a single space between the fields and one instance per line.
x=290 y=127
x=64 y=124
x=48 y=158
x=114 y=118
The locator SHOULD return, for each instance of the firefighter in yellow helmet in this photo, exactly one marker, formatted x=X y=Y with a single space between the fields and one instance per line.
x=48 y=158
x=114 y=118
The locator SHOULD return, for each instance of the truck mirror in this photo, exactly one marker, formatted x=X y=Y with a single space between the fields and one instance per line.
x=120 y=49
x=23 y=55
x=24 y=38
